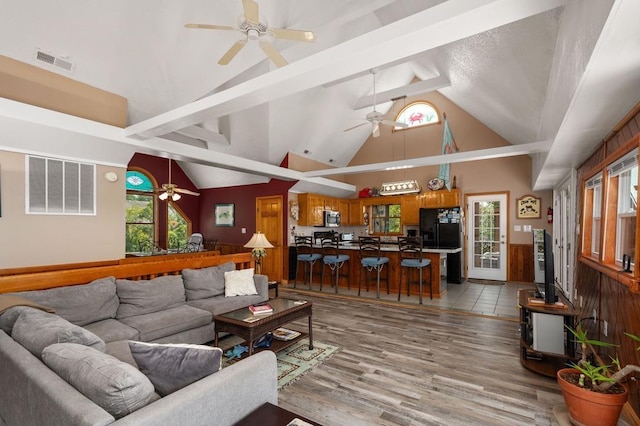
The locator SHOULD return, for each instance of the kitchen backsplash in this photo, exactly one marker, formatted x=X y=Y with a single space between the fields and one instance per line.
x=356 y=230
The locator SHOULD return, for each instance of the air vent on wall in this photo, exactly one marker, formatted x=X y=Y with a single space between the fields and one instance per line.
x=53 y=60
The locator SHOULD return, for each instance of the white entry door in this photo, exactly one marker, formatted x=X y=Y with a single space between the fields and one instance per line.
x=487 y=231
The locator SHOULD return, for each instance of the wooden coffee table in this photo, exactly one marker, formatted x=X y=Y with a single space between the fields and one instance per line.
x=284 y=311
x=272 y=415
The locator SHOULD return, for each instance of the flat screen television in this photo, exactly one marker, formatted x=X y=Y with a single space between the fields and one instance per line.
x=543 y=242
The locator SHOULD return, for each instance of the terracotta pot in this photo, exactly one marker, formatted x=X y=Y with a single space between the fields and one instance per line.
x=588 y=408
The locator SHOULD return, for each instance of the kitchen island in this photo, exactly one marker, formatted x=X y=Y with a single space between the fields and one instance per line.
x=437 y=256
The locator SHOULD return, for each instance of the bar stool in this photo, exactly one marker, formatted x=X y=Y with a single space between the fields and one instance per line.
x=331 y=257
x=411 y=258
x=305 y=254
x=371 y=260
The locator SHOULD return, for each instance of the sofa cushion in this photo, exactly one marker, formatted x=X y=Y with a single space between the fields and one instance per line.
x=35 y=330
x=111 y=330
x=205 y=282
x=114 y=385
x=220 y=305
x=239 y=283
x=147 y=296
x=170 y=321
x=171 y=367
x=79 y=304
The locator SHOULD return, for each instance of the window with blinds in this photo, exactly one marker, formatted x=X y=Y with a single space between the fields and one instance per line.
x=60 y=187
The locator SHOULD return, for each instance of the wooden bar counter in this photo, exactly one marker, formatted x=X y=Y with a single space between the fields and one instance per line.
x=437 y=256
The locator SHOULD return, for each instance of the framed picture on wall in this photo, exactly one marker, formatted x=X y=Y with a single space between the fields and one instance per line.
x=224 y=215
x=528 y=207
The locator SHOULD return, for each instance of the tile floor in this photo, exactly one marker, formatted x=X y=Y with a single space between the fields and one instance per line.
x=498 y=300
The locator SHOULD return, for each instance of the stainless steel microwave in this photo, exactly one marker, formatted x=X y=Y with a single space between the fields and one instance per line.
x=331 y=219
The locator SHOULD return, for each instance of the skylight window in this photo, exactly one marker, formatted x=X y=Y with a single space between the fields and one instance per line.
x=417 y=114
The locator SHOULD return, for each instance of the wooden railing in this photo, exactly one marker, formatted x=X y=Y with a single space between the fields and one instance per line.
x=73 y=274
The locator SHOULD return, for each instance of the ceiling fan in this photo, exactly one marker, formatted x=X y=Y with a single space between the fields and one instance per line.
x=253 y=29
x=376 y=118
x=172 y=190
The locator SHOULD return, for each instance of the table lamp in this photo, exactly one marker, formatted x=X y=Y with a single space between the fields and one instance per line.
x=258 y=243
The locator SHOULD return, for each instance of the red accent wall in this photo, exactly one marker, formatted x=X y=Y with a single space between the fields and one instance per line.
x=201 y=209
x=244 y=200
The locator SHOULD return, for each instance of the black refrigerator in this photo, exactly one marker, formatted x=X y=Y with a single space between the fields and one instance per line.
x=442 y=228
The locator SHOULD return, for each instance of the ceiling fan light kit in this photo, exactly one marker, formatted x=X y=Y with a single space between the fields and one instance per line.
x=253 y=29
x=376 y=118
x=171 y=190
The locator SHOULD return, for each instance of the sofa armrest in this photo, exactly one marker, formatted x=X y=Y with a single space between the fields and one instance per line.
x=222 y=398
x=262 y=285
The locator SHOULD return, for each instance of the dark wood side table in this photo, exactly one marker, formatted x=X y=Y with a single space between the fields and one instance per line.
x=273 y=285
x=271 y=415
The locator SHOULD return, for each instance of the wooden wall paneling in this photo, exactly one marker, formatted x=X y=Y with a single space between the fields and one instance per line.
x=521 y=263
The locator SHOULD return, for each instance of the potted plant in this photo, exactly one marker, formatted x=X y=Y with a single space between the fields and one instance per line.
x=591 y=389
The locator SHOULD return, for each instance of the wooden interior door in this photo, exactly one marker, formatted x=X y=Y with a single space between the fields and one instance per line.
x=269 y=222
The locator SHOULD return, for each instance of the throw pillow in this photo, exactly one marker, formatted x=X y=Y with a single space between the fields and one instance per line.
x=114 y=385
x=147 y=296
x=205 y=282
x=239 y=283
x=171 y=367
x=35 y=330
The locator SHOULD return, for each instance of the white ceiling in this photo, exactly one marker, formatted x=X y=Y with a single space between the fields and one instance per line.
x=547 y=75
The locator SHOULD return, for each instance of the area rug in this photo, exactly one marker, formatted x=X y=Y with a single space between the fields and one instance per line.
x=297 y=360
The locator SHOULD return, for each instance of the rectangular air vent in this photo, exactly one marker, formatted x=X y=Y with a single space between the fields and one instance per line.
x=55 y=61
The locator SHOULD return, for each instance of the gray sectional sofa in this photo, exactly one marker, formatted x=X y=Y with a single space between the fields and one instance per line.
x=105 y=315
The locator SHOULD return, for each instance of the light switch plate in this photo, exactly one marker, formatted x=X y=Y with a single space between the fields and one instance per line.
x=527 y=228
x=517 y=228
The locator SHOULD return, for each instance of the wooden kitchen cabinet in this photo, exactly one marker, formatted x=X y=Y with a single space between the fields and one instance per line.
x=440 y=199
x=343 y=209
x=356 y=214
x=410 y=209
x=311 y=207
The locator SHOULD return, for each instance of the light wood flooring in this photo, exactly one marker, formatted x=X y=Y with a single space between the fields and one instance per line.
x=416 y=365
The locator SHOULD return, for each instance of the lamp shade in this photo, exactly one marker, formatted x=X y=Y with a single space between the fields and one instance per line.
x=258 y=240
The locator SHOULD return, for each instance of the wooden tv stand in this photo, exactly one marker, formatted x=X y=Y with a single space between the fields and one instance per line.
x=546 y=363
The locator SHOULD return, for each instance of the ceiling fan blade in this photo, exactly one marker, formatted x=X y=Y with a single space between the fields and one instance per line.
x=297 y=35
x=376 y=130
x=232 y=52
x=251 y=12
x=272 y=53
x=351 y=128
x=395 y=124
x=186 y=191
x=209 y=27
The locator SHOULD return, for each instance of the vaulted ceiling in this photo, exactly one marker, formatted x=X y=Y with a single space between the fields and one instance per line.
x=550 y=76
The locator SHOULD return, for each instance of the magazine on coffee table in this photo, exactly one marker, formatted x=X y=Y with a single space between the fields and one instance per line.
x=285 y=334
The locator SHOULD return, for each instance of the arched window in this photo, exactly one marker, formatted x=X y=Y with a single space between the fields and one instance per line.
x=141 y=229
x=143 y=221
x=419 y=113
x=178 y=227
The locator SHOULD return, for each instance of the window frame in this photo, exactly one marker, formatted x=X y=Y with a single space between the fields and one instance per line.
x=412 y=105
x=605 y=261
x=154 y=198
x=172 y=204
x=386 y=218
